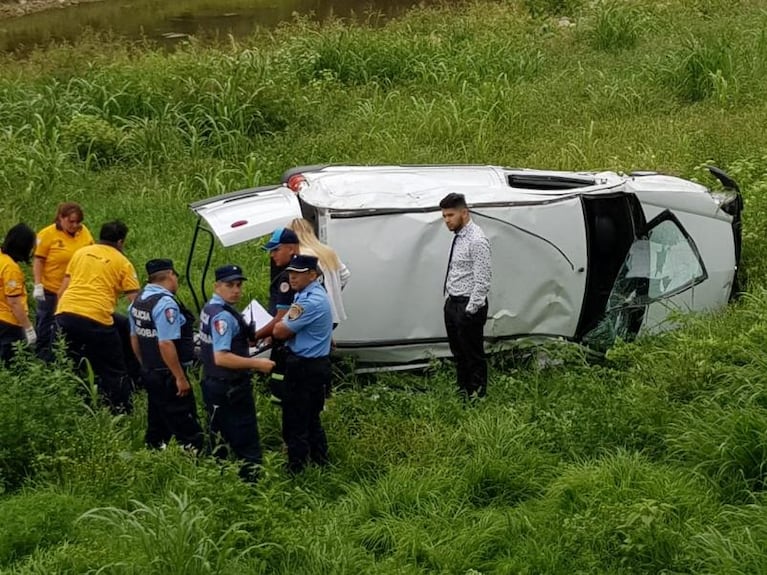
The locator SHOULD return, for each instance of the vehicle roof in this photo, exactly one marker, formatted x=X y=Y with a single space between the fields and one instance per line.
x=413 y=187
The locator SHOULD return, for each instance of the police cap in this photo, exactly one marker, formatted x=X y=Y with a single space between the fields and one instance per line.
x=281 y=236
x=229 y=273
x=159 y=265
x=302 y=263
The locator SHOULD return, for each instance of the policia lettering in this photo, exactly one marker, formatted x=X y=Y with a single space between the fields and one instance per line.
x=168 y=414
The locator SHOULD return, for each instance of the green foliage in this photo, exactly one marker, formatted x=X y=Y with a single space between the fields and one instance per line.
x=35 y=519
x=538 y=8
x=617 y=25
x=701 y=69
x=173 y=537
x=651 y=461
x=38 y=408
x=727 y=445
x=93 y=140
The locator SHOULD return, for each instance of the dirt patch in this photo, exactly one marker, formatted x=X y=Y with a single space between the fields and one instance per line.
x=15 y=8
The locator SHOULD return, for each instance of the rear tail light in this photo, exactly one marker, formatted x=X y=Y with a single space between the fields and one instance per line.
x=295 y=182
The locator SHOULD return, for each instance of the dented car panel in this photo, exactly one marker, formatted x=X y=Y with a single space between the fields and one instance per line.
x=583 y=256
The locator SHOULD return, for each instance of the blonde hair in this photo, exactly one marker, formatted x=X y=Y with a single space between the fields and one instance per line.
x=309 y=244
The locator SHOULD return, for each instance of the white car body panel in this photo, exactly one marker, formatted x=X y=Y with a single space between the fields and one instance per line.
x=386 y=226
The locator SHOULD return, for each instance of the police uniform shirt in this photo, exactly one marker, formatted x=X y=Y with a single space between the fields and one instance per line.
x=280 y=293
x=223 y=327
x=11 y=285
x=57 y=247
x=98 y=274
x=311 y=320
x=166 y=315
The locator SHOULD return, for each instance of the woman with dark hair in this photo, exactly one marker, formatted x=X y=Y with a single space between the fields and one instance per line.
x=56 y=244
x=14 y=314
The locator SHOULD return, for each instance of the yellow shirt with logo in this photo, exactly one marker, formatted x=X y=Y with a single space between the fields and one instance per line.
x=98 y=274
x=11 y=285
x=58 y=247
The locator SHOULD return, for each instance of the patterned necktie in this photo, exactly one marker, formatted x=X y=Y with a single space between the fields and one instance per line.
x=449 y=261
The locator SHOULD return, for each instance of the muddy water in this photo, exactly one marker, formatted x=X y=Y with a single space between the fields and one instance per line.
x=169 y=22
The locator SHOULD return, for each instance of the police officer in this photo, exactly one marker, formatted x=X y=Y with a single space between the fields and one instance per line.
x=227 y=365
x=162 y=332
x=282 y=246
x=308 y=329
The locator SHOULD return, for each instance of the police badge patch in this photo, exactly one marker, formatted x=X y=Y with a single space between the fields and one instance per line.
x=295 y=311
x=170 y=315
x=284 y=287
x=220 y=326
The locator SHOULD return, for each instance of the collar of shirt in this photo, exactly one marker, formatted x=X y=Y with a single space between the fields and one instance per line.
x=311 y=287
x=465 y=229
x=217 y=299
x=151 y=289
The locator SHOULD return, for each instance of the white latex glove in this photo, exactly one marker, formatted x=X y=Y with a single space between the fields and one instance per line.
x=38 y=293
x=31 y=336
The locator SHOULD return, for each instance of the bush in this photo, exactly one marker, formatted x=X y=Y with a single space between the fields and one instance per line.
x=93 y=140
x=39 y=408
x=35 y=519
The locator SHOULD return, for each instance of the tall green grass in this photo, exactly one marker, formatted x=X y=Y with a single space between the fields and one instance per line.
x=650 y=462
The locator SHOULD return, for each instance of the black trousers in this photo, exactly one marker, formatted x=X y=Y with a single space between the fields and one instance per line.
x=465 y=334
x=303 y=400
x=132 y=364
x=9 y=334
x=45 y=326
x=232 y=418
x=278 y=355
x=101 y=345
x=169 y=415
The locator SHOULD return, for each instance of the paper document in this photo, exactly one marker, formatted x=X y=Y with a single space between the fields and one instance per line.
x=256 y=313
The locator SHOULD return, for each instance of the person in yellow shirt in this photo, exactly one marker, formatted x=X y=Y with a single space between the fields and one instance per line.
x=14 y=317
x=94 y=279
x=56 y=244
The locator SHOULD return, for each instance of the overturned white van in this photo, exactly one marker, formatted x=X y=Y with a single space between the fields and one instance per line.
x=583 y=256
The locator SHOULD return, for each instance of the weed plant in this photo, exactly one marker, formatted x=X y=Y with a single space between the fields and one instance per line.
x=649 y=462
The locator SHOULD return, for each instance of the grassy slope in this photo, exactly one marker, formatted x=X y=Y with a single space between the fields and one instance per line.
x=652 y=462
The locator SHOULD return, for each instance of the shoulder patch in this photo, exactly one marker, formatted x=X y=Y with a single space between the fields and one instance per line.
x=12 y=283
x=295 y=311
x=170 y=315
x=284 y=287
x=220 y=326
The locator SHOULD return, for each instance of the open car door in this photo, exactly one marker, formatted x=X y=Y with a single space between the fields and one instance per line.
x=661 y=263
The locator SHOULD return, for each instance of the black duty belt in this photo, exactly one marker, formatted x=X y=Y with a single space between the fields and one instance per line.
x=294 y=355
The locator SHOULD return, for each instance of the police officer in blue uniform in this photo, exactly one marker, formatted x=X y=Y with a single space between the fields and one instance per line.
x=161 y=335
x=308 y=329
x=226 y=370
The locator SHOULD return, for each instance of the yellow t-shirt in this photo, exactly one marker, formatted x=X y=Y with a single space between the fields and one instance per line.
x=98 y=274
x=57 y=247
x=11 y=285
